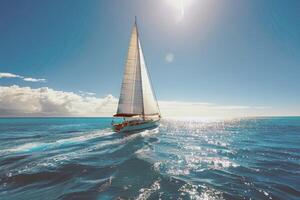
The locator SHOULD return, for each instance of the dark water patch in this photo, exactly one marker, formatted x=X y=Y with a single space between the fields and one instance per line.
x=10 y=137
x=27 y=179
x=12 y=159
x=51 y=177
x=286 y=189
x=70 y=131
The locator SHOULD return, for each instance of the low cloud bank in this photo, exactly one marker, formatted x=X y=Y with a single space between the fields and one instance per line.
x=202 y=109
x=25 y=101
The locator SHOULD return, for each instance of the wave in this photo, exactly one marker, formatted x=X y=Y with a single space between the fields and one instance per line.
x=178 y=160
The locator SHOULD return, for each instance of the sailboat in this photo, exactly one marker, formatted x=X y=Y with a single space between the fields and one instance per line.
x=137 y=105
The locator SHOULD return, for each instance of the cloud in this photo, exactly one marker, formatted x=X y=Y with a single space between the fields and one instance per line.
x=10 y=75
x=34 y=79
x=169 y=57
x=86 y=93
x=26 y=101
x=201 y=109
x=204 y=109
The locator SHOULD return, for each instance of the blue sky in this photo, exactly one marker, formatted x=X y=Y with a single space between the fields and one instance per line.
x=223 y=52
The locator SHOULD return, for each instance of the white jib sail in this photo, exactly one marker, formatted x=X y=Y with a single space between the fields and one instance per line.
x=150 y=104
x=136 y=96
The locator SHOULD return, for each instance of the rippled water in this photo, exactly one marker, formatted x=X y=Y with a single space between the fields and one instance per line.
x=81 y=158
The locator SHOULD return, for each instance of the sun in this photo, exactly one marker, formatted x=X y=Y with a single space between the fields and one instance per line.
x=179 y=7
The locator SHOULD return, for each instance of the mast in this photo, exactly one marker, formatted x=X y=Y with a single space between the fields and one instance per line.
x=139 y=61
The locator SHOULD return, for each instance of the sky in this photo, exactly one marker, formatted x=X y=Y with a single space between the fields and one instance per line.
x=207 y=58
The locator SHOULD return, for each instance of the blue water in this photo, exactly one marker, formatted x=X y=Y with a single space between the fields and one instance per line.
x=81 y=158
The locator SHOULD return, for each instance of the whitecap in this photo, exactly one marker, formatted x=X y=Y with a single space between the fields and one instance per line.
x=146 y=192
x=193 y=192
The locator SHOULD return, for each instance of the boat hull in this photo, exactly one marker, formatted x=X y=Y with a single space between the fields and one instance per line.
x=138 y=127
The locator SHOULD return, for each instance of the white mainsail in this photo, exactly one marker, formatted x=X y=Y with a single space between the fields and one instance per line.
x=136 y=96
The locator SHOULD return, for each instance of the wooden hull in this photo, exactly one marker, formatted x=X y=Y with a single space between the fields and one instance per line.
x=137 y=127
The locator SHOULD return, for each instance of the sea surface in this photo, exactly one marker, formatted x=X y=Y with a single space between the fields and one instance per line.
x=82 y=158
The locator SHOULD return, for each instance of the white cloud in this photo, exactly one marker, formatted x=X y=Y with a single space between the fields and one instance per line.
x=34 y=79
x=169 y=57
x=26 y=101
x=10 y=75
x=201 y=109
x=86 y=93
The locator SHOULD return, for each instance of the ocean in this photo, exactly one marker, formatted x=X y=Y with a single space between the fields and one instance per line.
x=82 y=158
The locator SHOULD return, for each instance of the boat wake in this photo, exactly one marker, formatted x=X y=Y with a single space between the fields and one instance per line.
x=39 y=146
